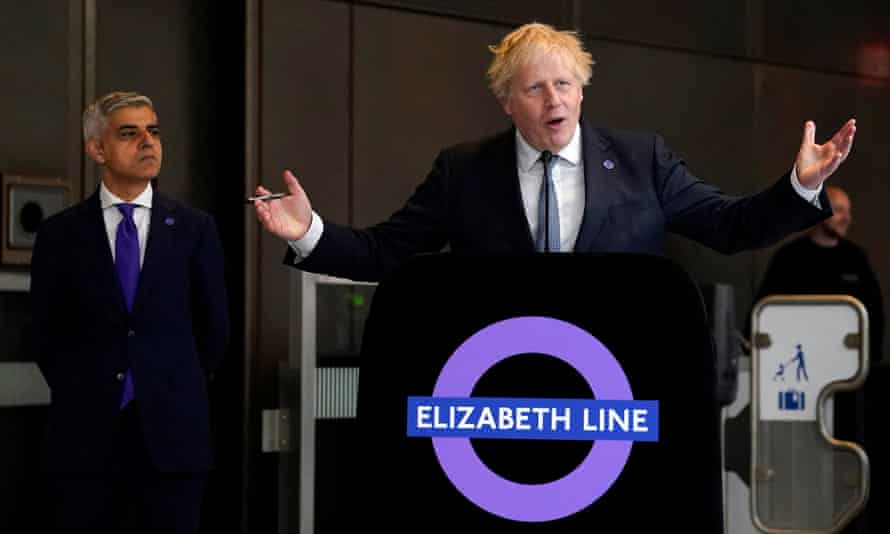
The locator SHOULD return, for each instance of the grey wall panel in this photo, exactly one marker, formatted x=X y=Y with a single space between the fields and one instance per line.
x=305 y=128
x=303 y=123
x=701 y=25
x=853 y=37
x=508 y=12
x=818 y=35
x=787 y=98
x=34 y=69
x=306 y=100
x=419 y=86
x=703 y=106
x=35 y=137
x=145 y=47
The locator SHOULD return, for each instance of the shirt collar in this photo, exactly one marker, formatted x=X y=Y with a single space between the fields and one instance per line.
x=108 y=199
x=527 y=155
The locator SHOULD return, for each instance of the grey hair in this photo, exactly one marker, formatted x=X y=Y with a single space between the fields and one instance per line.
x=95 y=117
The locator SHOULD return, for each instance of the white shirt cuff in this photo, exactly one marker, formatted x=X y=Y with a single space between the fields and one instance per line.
x=305 y=245
x=810 y=195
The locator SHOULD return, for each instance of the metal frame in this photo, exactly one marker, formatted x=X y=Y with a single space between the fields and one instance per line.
x=798 y=300
x=303 y=357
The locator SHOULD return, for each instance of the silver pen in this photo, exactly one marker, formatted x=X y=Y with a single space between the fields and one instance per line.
x=270 y=196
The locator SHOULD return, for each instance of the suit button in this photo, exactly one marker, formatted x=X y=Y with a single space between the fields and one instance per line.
x=120 y=377
x=131 y=333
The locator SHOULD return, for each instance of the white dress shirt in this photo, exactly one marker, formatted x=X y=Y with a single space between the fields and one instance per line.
x=568 y=179
x=113 y=216
x=568 y=185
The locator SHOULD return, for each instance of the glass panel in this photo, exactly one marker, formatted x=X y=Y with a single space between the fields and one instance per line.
x=342 y=311
x=804 y=482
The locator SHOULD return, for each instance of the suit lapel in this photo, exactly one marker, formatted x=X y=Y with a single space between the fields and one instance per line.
x=160 y=242
x=598 y=191
x=504 y=195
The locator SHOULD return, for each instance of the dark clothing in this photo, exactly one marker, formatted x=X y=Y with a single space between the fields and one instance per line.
x=636 y=190
x=132 y=496
x=86 y=340
x=802 y=267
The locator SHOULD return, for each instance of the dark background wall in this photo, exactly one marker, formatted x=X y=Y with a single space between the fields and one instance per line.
x=34 y=139
x=357 y=98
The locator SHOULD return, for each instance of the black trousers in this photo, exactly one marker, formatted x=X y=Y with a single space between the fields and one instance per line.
x=131 y=497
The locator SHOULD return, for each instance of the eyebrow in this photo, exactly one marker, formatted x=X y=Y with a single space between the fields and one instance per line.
x=135 y=127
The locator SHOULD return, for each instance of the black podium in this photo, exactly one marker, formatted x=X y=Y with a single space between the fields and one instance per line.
x=645 y=313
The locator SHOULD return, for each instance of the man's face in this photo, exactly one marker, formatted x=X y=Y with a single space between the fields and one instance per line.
x=545 y=103
x=837 y=225
x=130 y=147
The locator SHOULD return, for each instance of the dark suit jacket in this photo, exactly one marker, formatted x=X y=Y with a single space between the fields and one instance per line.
x=471 y=201
x=84 y=337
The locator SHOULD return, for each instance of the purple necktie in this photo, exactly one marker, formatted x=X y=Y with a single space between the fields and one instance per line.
x=126 y=263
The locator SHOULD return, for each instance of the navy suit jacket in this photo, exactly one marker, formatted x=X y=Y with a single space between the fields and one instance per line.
x=471 y=201
x=85 y=338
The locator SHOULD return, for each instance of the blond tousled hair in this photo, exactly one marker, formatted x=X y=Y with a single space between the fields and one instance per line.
x=529 y=42
x=95 y=117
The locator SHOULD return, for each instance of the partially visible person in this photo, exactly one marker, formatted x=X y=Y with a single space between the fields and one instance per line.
x=130 y=316
x=824 y=261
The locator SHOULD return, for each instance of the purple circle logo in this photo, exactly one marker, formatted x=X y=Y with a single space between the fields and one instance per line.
x=532 y=502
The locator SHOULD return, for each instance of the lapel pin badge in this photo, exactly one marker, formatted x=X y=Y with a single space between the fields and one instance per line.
x=609 y=164
x=169 y=221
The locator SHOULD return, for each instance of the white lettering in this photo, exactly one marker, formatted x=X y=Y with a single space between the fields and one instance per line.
x=525 y=418
x=621 y=419
x=423 y=413
x=565 y=419
x=437 y=421
x=505 y=418
x=640 y=416
x=522 y=419
x=486 y=419
x=587 y=426
x=540 y=412
x=466 y=412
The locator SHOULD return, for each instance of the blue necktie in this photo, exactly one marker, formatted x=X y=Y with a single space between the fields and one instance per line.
x=548 y=210
x=126 y=263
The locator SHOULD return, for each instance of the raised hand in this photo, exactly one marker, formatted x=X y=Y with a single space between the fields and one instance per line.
x=815 y=163
x=287 y=217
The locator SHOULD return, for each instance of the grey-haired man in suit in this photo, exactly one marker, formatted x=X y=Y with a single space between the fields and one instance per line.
x=130 y=316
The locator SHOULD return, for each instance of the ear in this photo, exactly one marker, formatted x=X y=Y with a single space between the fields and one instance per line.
x=505 y=104
x=95 y=151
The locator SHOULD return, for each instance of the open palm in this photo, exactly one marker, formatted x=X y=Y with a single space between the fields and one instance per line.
x=815 y=163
